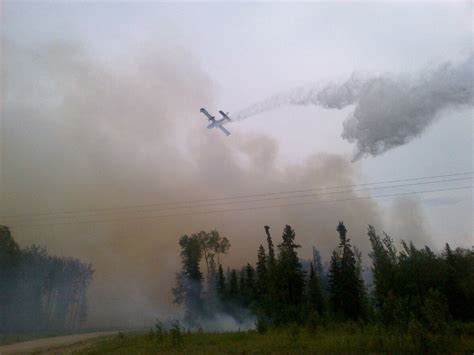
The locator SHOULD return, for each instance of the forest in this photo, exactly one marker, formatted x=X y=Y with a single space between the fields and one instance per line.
x=411 y=289
x=38 y=291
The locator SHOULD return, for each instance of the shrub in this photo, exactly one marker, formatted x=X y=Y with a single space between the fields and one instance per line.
x=159 y=330
x=313 y=321
x=261 y=326
x=176 y=333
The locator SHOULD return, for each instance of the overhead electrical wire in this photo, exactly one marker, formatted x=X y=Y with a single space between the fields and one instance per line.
x=251 y=207
x=152 y=207
x=105 y=213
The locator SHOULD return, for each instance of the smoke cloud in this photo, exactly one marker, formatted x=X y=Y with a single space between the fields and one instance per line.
x=87 y=133
x=389 y=111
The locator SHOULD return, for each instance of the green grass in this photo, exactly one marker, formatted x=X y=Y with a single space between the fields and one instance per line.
x=348 y=338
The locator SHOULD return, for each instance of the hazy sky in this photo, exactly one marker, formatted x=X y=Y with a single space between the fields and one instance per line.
x=240 y=53
x=252 y=50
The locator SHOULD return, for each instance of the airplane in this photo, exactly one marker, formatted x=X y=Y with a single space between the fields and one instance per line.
x=217 y=123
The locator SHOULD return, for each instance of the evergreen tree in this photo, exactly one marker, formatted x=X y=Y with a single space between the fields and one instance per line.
x=221 y=283
x=262 y=273
x=242 y=285
x=233 y=285
x=290 y=281
x=249 y=284
x=189 y=281
x=459 y=280
x=335 y=285
x=346 y=285
x=271 y=249
x=384 y=268
x=39 y=291
x=315 y=296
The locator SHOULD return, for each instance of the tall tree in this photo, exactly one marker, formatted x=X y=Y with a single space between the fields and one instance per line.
x=221 y=283
x=271 y=249
x=10 y=259
x=233 y=285
x=290 y=281
x=315 y=296
x=250 y=293
x=39 y=291
x=189 y=281
x=262 y=272
x=459 y=280
x=346 y=285
x=384 y=269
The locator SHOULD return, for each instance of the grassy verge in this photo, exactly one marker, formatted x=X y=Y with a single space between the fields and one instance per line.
x=291 y=340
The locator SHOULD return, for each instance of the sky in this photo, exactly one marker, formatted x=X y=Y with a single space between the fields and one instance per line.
x=178 y=57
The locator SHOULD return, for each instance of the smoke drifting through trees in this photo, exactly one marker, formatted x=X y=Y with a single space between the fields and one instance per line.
x=39 y=291
x=411 y=288
x=389 y=111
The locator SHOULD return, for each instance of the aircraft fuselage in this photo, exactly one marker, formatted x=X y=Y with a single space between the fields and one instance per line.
x=217 y=123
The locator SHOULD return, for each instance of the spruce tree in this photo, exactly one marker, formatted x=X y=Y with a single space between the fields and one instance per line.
x=346 y=285
x=384 y=269
x=242 y=285
x=315 y=296
x=262 y=272
x=290 y=281
x=233 y=285
x=335 y=292
x=221 y=283
x=249 y=284
x=189 y=281
x=271 y=249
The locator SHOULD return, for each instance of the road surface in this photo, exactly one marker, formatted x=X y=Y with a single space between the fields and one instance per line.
x=44 y=344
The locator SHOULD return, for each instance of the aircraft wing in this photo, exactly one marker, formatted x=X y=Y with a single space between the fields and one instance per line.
x=225 y=116
x=226 y=132
x=209 y=117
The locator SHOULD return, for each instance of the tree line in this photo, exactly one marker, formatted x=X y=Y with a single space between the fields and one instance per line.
x=39 y=291
x=410 y=287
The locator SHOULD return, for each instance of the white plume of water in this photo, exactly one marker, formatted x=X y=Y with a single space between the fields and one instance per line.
x=389 y=111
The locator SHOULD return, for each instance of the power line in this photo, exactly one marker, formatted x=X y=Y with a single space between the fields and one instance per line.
x=105 y=213
x=226 y=198
x=255 y=207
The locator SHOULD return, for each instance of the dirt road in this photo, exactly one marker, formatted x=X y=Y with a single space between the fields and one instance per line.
x=49 y=343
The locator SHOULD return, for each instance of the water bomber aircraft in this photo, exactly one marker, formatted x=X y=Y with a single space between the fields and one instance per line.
x=217 y=123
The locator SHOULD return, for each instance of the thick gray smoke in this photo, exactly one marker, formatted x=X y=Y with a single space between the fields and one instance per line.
x=389 y=111
x=81 y=134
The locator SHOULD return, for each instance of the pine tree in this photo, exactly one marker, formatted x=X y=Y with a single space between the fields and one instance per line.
x=384 y=269
x=189 y=281
x=346 y=285
x=290 y=281
x=459 y=265
x=335 y=285
x=315 y=296
x=221 y=283
x=271 y=249
x=242 y=285
x=262 y=273
x=249 y=284
x=233 y=285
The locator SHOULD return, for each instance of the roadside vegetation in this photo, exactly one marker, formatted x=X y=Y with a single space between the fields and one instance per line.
x=40 y=293
x=347 y=337
x=417 y=300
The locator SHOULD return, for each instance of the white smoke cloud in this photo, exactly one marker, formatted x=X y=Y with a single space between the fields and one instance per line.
x=389 y=111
